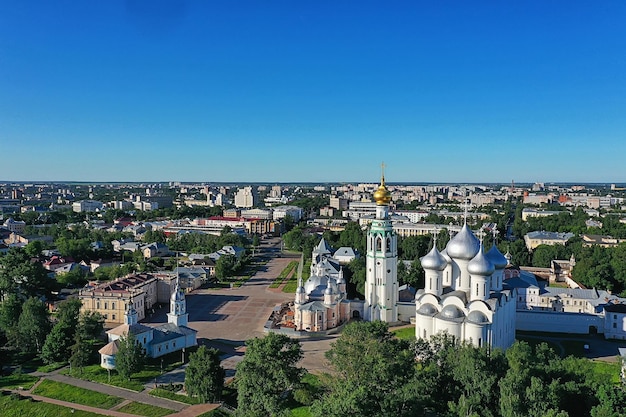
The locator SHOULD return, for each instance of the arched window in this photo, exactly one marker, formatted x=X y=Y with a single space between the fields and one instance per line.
x=379 y=244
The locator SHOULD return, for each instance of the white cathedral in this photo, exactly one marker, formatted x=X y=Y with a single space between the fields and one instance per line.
x=464 y=294
x=157 y=341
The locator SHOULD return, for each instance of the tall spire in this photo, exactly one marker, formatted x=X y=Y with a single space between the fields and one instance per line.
x=178 y=306
x=466 y=205
x=382 y=196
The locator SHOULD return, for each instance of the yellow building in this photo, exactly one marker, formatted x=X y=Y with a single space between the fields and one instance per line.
x=111 y=299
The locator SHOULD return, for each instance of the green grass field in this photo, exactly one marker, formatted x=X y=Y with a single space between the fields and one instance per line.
x=607 y=370
x=70 y=393
x=151 y=370
x=11 y=406
x=16 y=381
x=291 y=285
x=301 y=412
x=163 y=393
x=97 y=374
x=147 y=410
x=406 y=333
x=284 y=274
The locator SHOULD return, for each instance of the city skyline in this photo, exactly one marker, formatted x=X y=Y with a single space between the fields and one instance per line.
x=292 y=92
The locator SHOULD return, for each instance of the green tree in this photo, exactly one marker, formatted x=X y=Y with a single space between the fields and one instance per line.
x=130 y=357
x=10 y=310
x=414 y=247
x=86 y=339
x=612 y=401
x=357 y=271
x=57 y=347
x=374 y=374
x=33 y=326
x=204 y=376
x=19 y=274
x=266 y=373
x=225 y=266
x=477 y=372
x=354 y=237
x=34 y=248
x=81 y=353
x=90 y=325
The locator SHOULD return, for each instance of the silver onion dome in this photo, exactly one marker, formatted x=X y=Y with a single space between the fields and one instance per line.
x=433 y=260
x=464 y=245
x=480 y=265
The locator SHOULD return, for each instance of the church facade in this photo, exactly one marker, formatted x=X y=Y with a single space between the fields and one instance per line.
x=464 y=295
x=321 y=303
x=157 y=341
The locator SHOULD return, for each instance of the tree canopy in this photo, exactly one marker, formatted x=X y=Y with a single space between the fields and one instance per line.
x=267 y=371
x=378 y=375
x=204 y=376
x=130 y=356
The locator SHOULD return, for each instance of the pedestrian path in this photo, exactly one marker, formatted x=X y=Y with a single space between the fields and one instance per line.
x=128 y=396
x=142 y=397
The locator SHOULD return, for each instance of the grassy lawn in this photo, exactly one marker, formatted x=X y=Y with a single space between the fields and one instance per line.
x=11 y=406
x=406 y=333
x=608 y=371
x=292 y=284
x=142 y=409
x=301 y=412
x=163 y=393
x=96 y=373
x=151 y=370
x=18 y=380
x=70 y=393
x=284 y=273
x=51 y=367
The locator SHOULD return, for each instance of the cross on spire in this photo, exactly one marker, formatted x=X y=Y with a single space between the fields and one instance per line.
x=495 y=232
x=466 y=205
x=382 y=173
x=481 y=235
x=435 y=234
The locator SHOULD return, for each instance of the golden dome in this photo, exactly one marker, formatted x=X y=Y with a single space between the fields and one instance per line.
x=382 y=196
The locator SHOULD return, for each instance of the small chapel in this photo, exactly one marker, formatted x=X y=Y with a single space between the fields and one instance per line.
x=157 y=341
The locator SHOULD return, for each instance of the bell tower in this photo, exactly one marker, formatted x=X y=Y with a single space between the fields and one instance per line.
x=381 y=274
x=178 y=307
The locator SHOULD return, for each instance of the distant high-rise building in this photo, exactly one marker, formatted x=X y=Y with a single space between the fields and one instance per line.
x=245 y=197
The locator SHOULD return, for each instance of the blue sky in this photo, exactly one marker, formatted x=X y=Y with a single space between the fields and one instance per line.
x=281 y=91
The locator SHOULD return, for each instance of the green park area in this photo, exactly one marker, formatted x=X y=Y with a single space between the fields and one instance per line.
x=14 y=405
x=78 y=395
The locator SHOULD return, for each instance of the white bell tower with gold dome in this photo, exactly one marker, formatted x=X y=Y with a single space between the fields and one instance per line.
x=381 y=273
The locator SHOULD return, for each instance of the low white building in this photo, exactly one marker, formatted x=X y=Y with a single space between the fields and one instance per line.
x=87 y=206
x=294 y=212
x=157 y=341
